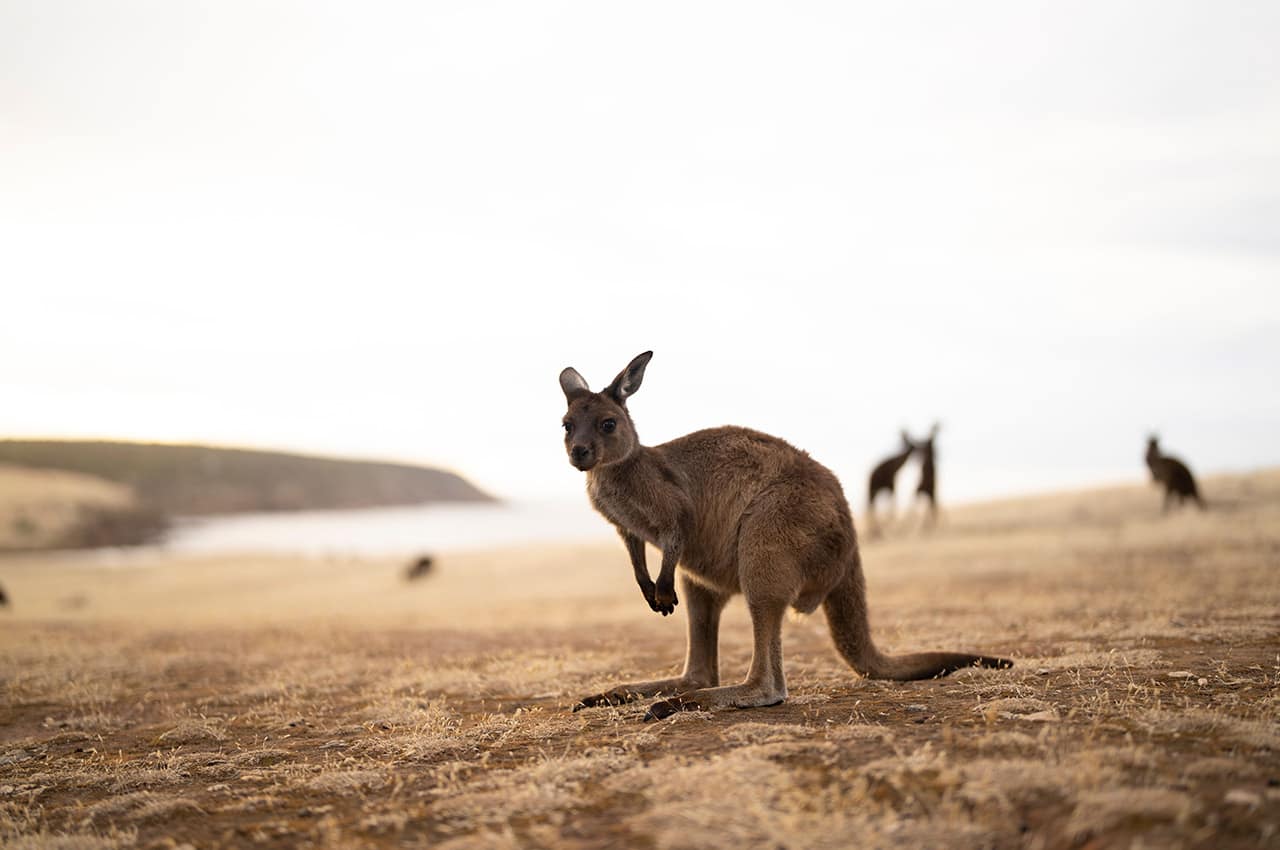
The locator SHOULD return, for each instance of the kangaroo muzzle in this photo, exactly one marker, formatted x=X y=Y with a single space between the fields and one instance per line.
x=582 y=457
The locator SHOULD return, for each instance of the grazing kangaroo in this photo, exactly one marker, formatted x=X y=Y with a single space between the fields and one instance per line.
x=420 y=568
x=1173 y=474
x=883 y=476
x=740 y=512
x=928 y=473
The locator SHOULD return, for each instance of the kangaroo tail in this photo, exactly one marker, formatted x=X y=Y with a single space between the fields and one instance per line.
x=846 y=610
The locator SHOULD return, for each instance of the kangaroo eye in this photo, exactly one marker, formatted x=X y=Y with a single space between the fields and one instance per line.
x=568 y=427
x=608 y=425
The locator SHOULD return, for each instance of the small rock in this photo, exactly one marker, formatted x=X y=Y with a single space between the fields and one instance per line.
x=1181 y=674
x=214 y=789
x=915 y=706
x=1043 y=671
x=1202 y=682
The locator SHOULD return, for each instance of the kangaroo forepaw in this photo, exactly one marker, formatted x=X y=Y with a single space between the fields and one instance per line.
x=606 y=698
x=664 y=600
x=664 y=708
x=660 y=599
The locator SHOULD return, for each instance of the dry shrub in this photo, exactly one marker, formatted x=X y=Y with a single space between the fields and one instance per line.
x=1101 y=811
x=1258 y=734
x=487 y=839
x=140 y=807
x=192 y=731
x=760 y=733
x=544 y=790
x=114 y=839
x=342 y=782
x=260 y=758
x=745 y=798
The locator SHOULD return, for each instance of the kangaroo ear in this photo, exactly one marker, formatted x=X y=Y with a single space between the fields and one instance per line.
x=572 y=383
x=628 y=380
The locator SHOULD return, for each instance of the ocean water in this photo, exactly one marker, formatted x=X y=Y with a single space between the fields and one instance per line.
x=390 y=531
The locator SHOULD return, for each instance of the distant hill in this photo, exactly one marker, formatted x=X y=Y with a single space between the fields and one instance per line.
x=56 y=509
x=194 y=480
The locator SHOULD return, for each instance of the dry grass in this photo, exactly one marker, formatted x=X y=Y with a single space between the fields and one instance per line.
x=41 y=507
x=297 y=703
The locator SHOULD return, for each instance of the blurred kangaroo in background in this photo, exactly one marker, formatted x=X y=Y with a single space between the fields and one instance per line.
x=928 y=473
x=883 y=477
x=740 y=512
x=1173 y=474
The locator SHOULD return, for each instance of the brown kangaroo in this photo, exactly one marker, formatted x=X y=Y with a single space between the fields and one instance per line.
x=1173 y=474
x=884 y=475
x=928 y=485
x=740 y=512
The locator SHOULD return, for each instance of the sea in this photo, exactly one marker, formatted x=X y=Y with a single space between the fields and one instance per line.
x=401 y=531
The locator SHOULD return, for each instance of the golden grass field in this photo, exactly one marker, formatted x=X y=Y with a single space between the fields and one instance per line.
x=310 y=703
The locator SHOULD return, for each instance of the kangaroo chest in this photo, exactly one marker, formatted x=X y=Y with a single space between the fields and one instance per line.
x=622 y=509
x=633 y=503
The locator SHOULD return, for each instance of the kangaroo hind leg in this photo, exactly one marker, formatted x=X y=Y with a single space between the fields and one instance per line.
x=764 y=685
x=702 y=655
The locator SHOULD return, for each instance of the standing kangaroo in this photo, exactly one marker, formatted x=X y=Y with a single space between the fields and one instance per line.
x=928 y=485
x=740 y=512
x=1173 y=474
x=883 y=476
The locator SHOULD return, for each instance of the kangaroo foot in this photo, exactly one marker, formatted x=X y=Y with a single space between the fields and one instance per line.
x=664 y=708
x=710 y=699
x=614 y=697
x=623 y=694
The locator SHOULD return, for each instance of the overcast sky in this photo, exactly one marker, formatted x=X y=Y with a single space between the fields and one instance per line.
x=382 y=229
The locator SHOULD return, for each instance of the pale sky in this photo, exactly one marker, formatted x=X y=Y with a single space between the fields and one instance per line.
x=382 y=229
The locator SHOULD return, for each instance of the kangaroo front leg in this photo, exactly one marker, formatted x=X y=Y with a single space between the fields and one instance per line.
x=765 y=684
x=702 y=658
x=661 y=596
x=639 y=565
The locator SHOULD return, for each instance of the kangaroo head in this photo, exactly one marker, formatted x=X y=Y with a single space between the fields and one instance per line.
x=1153 y=446
x=925 y=446
x=597 y=427
x=907 y=445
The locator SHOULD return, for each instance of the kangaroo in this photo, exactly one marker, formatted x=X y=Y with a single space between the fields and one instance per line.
x=420 y=568
x=740 y=512
x=928 y=473
x=1173 y=474
x=883 y=476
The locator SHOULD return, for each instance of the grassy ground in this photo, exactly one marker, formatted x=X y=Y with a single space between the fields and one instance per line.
x=288 y=703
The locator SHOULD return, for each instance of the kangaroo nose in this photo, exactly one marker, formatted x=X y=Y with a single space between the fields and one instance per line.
x=580 y=452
